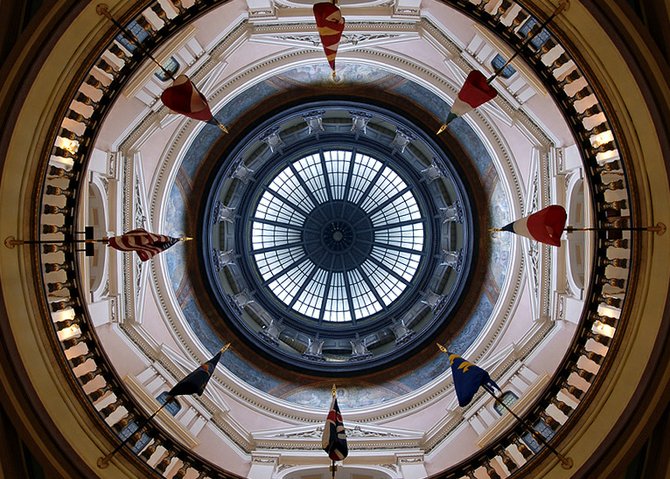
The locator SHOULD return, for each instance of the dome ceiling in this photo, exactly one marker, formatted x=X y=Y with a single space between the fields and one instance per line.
x=336 y=236
x=361 y=240
x=447 y=296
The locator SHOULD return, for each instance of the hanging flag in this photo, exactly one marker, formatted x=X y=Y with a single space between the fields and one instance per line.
x=184 y=98
x=145 y=244
x=475 y=92
x=330 y=23
x=334 y=439
x=545 y=226
x=197 y=380
x=468 y=378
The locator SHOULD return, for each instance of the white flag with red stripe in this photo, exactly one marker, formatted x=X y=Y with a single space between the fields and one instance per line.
x=545 y=226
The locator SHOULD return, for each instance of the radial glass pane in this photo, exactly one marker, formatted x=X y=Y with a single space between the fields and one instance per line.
x=402 y=208
x=272 y=208
x=400 y=262
x=287 y=285
x=388 y=287
x=386 y=186
x=337 y=302
x=337 y=165
x=363 y=299
x=265 y=235
x=311 y=172
x=364 y=172
x=272 y=262
x=406 y=236
x=310 y=300
x=288 y=186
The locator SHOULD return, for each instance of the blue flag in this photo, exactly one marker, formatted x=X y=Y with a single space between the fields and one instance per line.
x=196 y=380
x=468 y=378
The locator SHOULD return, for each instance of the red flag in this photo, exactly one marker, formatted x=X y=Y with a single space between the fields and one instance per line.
x=145 y=244
x=545 y=226
x=330 y=23
x=184 y=98
x=475 y=92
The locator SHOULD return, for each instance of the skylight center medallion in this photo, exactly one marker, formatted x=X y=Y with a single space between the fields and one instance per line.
x=338 y=236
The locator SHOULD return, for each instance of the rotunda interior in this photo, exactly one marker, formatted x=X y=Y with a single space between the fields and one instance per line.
x=335 y=239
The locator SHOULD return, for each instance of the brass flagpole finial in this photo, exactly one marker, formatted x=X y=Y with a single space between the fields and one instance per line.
x=225 y=347
x=334 y=391
x=222 y=127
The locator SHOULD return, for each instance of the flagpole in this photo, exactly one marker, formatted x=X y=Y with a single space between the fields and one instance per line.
x=566 y=462
x=333 y=466
x=103 y=462
x=659 y=229
x=103 y=10
x=562 y=5
x=11 y=241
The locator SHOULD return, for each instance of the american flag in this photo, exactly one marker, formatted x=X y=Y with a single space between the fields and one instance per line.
x=334 y=439
x=145 y=244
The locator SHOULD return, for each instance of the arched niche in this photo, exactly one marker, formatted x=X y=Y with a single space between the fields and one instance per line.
x=576 y=258
x=96 y=217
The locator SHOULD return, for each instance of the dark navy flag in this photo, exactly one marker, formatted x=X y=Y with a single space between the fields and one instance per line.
x=468 y=378
x=334 y=439
x=196 y=380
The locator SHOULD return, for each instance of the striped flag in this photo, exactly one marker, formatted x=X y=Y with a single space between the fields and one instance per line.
x=475 y=92
x=330 y=23
x=334 y=439
x=545 y=226
x=145 y=244
x=184 y=98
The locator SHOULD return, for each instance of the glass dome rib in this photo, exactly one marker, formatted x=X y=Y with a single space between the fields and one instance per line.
x=337 y=236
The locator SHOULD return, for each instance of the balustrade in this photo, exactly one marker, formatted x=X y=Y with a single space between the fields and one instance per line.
x=552 y=62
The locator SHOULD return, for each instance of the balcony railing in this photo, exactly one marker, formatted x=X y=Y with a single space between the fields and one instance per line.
x=586 y=361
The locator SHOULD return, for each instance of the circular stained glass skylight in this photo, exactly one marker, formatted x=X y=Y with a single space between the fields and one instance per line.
x=337 y=235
